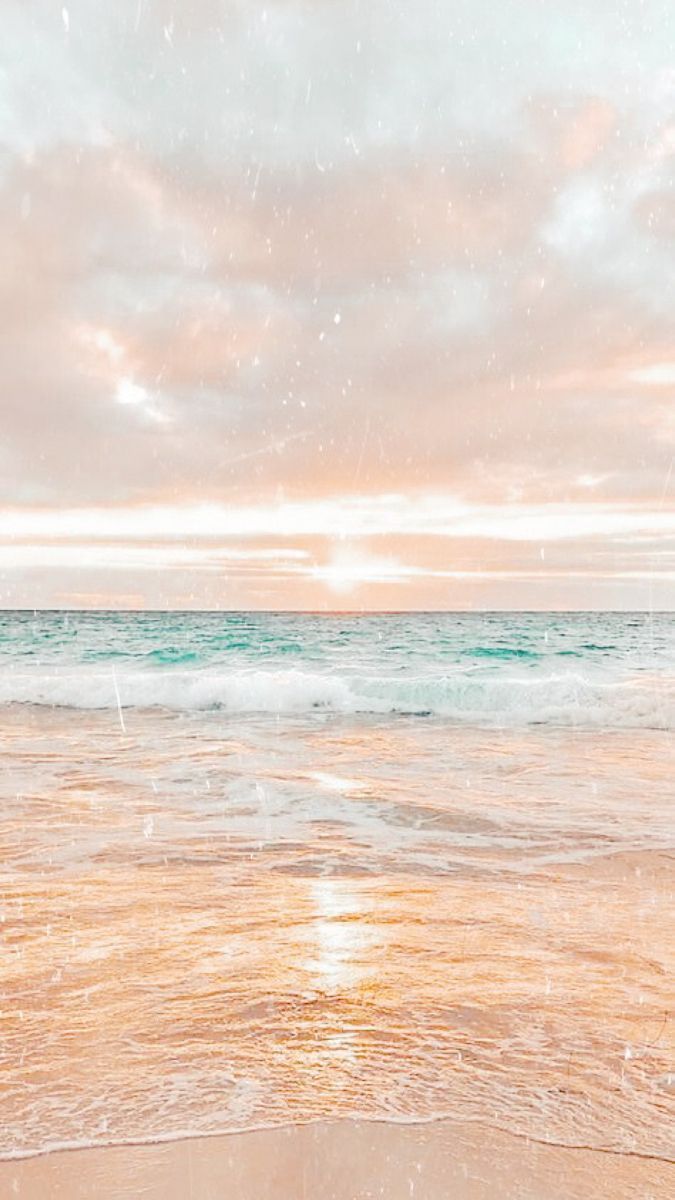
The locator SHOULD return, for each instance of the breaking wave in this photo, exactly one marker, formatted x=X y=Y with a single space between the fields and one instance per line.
x=646 y=702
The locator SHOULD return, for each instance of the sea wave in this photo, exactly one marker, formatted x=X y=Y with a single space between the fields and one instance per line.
x=634 y=701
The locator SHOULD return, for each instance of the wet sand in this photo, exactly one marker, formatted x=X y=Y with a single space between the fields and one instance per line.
x=342 y=1161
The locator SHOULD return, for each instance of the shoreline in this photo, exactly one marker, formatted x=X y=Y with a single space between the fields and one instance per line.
x=343 y=1160
x=172 y=1139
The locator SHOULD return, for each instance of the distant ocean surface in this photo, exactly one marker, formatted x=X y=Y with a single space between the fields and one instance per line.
x=266 y=868
x=610 y=670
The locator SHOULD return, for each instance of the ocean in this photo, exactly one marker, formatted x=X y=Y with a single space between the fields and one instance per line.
x=267 y=868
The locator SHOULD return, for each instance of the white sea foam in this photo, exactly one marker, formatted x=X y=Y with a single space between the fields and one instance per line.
x=629 y=701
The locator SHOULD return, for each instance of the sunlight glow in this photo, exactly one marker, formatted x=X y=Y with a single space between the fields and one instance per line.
x=340 y=518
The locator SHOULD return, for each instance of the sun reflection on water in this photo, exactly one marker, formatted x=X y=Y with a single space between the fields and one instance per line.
x=342 y=936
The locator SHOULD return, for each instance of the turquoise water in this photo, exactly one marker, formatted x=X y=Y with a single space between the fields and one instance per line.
x=606 y=669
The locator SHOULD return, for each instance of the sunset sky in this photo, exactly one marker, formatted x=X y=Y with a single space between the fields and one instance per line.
x=337 y=304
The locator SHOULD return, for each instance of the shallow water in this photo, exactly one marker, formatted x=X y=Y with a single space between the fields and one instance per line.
x=234 y=915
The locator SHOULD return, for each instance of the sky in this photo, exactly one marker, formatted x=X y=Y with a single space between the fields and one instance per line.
x=337 y=304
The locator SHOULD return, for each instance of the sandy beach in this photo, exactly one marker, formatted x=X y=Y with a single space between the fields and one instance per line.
x=342 y=1161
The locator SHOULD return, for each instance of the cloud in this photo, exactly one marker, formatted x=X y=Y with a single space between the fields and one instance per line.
x=656 y=373
x=226 y=531
x=190 y=194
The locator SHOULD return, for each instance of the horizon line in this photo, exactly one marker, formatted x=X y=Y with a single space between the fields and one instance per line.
x=345 y=612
